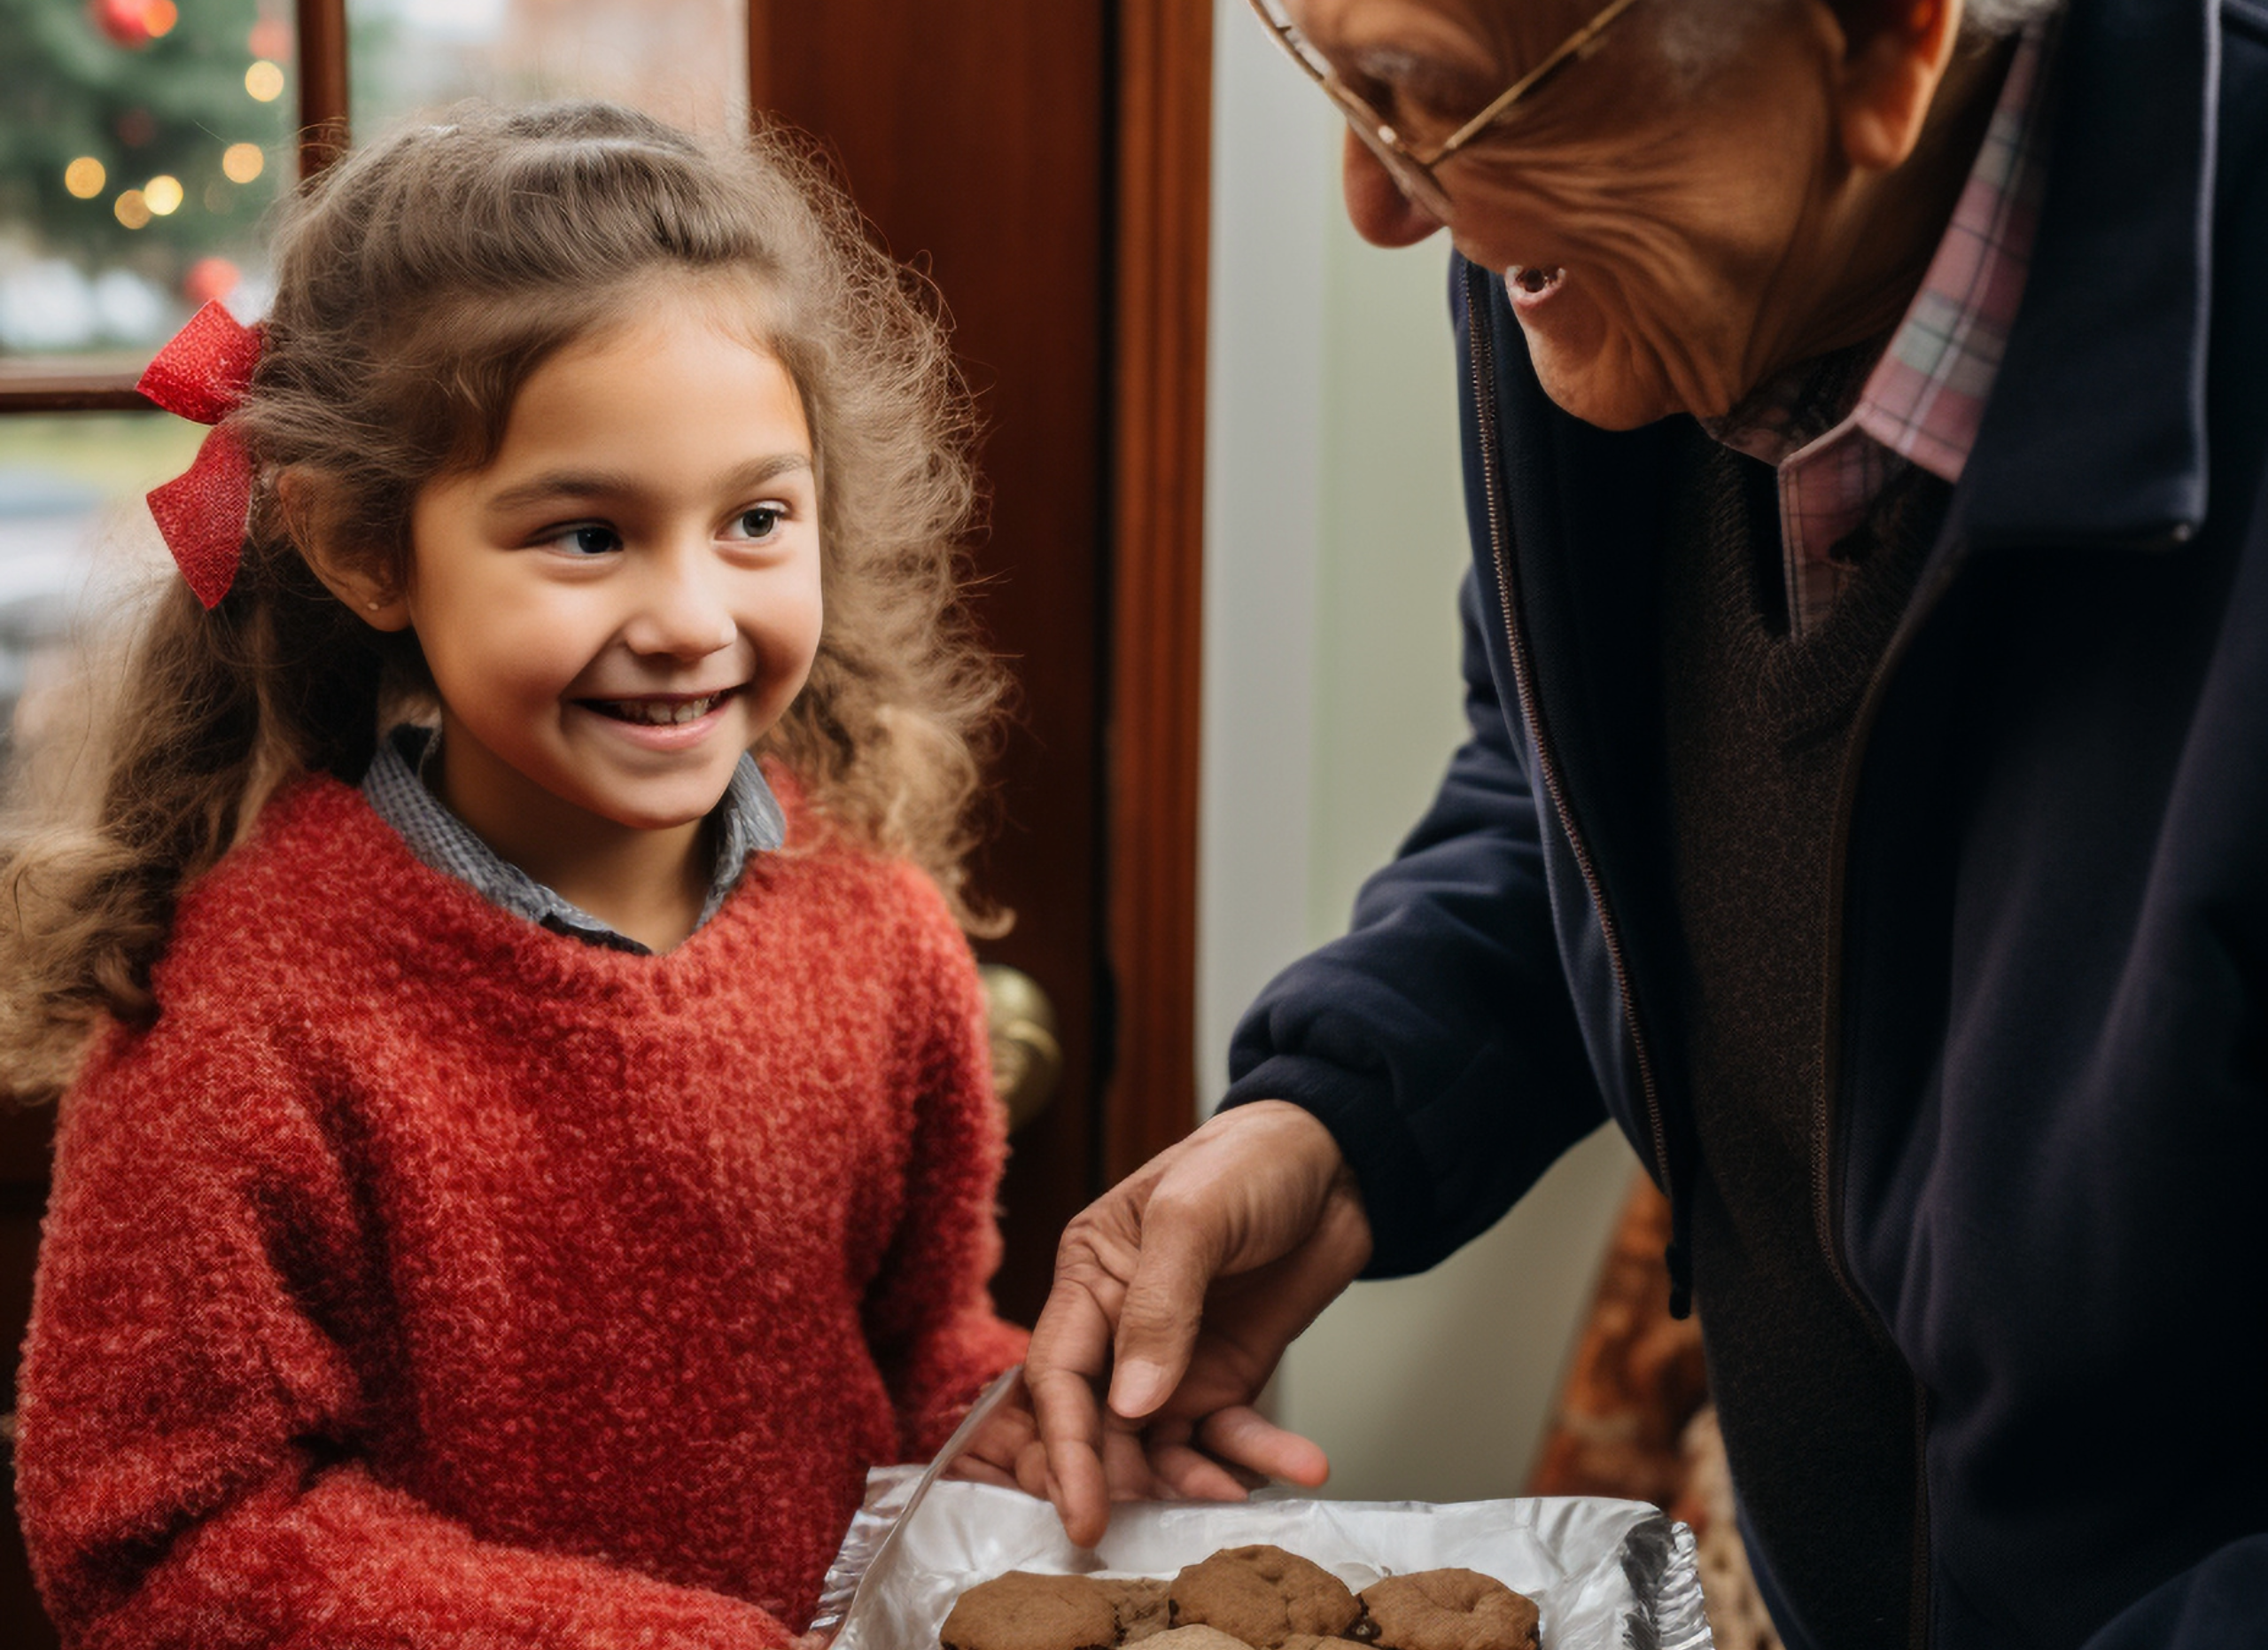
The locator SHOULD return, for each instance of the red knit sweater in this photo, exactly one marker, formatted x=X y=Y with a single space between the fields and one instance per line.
x=426 y=1278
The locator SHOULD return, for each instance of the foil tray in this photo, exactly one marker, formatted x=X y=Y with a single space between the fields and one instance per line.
x=1605 y=1574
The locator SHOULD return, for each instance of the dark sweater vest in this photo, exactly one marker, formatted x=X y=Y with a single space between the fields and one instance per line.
x=1820 y=1415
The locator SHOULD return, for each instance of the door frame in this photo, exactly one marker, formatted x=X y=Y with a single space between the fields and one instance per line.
x=1154 y=719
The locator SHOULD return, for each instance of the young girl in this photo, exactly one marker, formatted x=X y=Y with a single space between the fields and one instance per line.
x=531 y=1159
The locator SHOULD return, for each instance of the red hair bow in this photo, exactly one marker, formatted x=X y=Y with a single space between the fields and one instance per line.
x=203 y=374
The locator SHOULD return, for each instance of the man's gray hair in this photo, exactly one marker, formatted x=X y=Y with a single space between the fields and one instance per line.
x=1999 y=19
x=1697 y=36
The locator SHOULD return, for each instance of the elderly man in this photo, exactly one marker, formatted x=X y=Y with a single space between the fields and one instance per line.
x=1866 y=806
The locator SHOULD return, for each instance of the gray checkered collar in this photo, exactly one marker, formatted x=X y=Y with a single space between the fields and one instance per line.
x=748 y=819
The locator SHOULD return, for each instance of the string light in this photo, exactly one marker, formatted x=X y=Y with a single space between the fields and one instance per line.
x=132 y=209
x=163 y=194
x=85 y=177
x=264 y=81
x=158 y=18
x=241 y=163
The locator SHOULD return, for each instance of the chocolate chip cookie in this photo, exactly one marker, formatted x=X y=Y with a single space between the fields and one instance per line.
x=1449 y=1609
x=1141 y=1602
x=1263 y=1595
x=1025 y=1611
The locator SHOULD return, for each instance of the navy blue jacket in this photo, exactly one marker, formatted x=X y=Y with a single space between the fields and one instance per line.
x=2044 y=1141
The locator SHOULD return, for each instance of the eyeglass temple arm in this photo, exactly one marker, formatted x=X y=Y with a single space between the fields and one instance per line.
x=1519 y=88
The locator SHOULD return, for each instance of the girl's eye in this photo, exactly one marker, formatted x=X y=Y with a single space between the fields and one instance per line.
x=589 y=538
x=759 y=522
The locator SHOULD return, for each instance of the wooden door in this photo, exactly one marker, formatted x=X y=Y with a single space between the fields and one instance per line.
x=969 y=131
x=1013 y=150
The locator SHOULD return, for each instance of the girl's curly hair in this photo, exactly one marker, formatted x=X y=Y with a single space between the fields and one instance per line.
x=419 y=281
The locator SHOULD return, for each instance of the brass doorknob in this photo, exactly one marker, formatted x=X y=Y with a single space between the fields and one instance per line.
x=1027 y=1060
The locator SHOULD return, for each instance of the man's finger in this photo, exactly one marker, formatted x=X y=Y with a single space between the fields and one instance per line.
x=1127 y=1467
x=1031 y=1471
x=1065 y=1359
x=1245 y=1438
x=1194 y=1475
x=1165 y=1298
x=1004 y=1433
x=1075 y=1482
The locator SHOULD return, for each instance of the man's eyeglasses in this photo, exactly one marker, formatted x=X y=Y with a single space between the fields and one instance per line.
x=1413 y=173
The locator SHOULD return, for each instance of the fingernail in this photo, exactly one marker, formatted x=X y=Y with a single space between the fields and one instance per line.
x=1137 y=1388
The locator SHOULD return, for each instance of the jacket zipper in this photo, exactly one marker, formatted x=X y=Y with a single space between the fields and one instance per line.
x=1918 y=1598
x=1547 y=756
x=1824 y=1178
x=1824 y=1156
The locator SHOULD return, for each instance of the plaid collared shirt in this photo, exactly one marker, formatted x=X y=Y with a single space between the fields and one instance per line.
x=1925 y=396
x=747 y=819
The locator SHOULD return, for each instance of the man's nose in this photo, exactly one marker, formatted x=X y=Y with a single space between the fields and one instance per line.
x=1380 y=212
x=681 y=612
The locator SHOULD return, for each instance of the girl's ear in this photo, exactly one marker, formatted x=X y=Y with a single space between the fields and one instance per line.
x=373 y=599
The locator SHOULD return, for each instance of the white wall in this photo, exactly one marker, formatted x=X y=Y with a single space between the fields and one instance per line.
x=1334 y=539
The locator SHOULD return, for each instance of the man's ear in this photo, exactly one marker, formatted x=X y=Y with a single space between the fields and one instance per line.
x=1889 y=77
x=372 y=599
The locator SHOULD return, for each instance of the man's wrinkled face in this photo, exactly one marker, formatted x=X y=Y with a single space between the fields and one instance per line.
x=1658 y=225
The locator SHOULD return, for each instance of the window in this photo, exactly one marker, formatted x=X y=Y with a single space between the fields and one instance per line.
x=418 y=54
x=142 y=143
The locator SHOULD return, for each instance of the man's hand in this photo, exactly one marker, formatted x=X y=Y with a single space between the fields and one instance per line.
x=1005 y=1449
x=1182 y=1286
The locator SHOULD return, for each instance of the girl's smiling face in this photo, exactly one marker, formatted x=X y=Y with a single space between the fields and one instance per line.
x=627 y=596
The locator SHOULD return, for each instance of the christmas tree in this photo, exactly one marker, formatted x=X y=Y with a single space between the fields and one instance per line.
x=146 y=136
